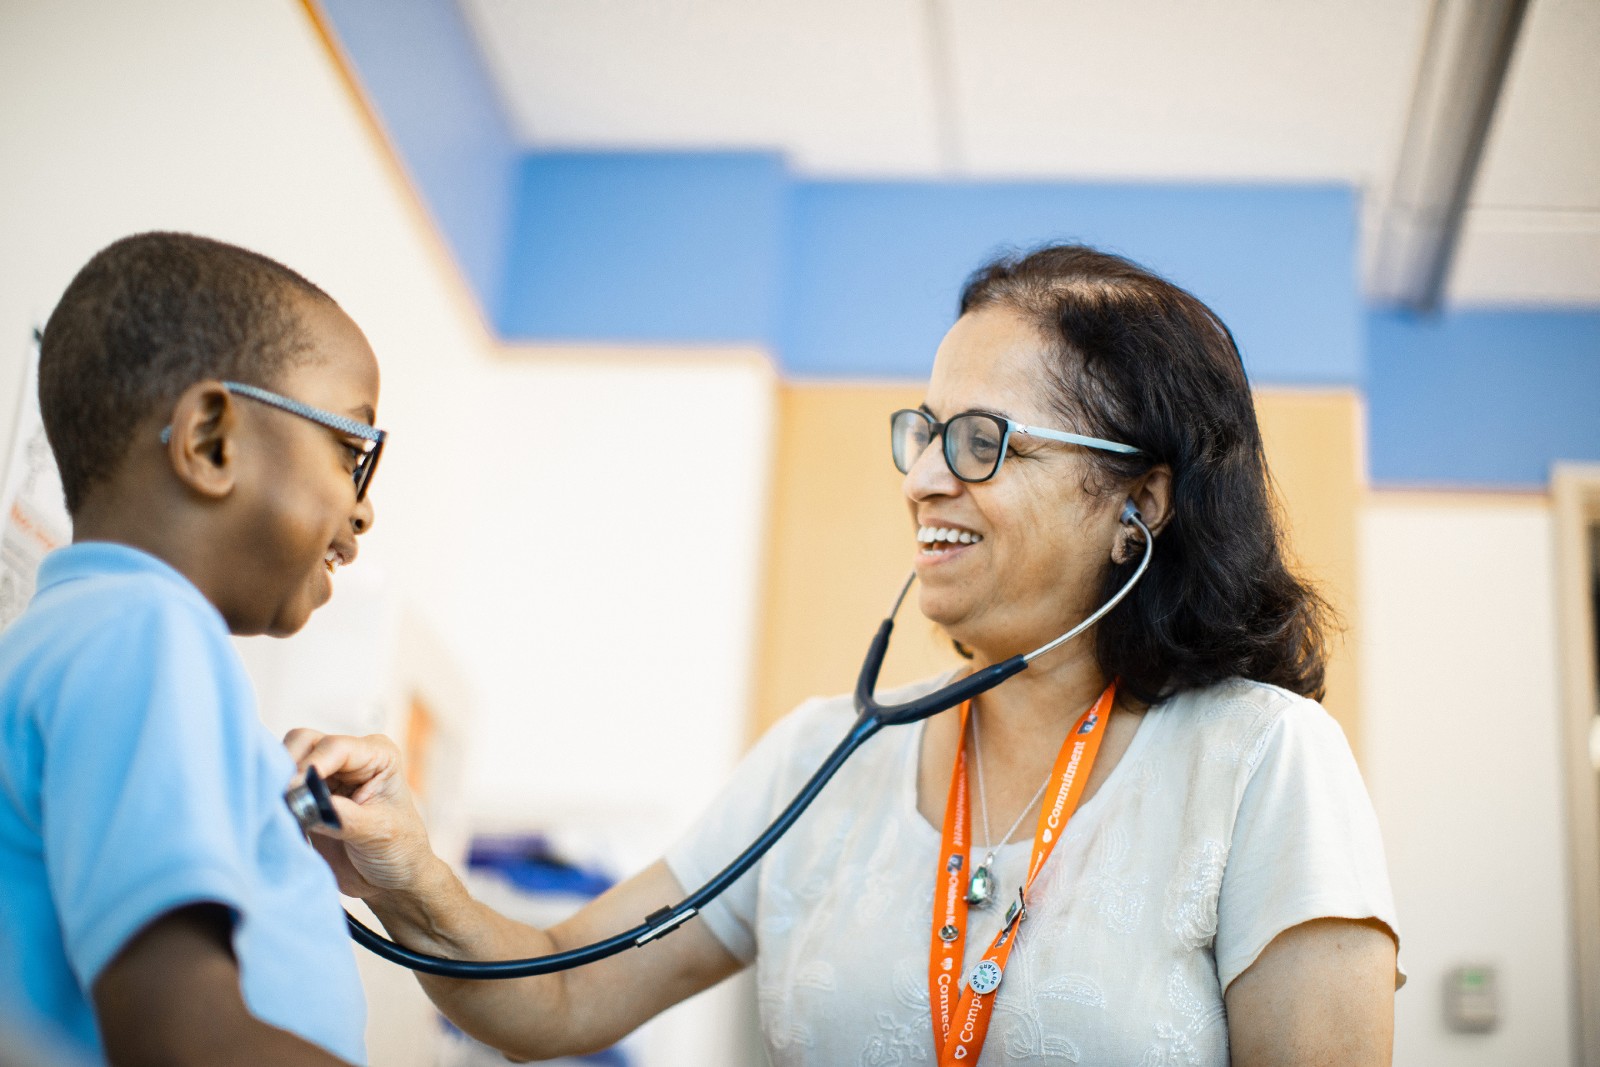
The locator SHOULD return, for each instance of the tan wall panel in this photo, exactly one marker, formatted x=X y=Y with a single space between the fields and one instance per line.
x=841 y=541
x=840 y=544
x=1313 y=442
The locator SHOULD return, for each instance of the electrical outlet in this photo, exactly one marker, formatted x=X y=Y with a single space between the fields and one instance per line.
x=1471 y=999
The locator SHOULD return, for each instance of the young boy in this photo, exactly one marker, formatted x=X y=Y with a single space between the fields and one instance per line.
x=211 y=413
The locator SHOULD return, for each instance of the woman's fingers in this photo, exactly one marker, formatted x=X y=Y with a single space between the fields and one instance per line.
x=378 y=846
x=381 y=842
x=350 y=819
x=358 y=767
x=299 y=742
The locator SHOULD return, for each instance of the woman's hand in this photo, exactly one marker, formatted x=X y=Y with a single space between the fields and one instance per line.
x=382 y=855
x=383 y=844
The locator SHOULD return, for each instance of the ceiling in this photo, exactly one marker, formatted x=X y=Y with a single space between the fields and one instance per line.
x=1130 y=90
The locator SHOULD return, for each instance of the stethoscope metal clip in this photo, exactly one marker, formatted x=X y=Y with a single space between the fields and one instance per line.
x=312 y=806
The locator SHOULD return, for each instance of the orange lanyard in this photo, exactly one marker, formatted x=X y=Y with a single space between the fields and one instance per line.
x=960 y=1027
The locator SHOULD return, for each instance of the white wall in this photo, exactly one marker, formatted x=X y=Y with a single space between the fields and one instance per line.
x=579 y=530
x=228 y=120
x=609 y=579
x=1462 y=727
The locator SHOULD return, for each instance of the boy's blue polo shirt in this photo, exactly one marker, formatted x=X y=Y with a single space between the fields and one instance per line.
x=135 y=778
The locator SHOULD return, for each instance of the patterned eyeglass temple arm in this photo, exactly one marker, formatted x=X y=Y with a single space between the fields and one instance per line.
x=338 y=423
x=306 y=411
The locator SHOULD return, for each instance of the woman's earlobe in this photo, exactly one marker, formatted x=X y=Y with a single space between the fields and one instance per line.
x=1128 y=545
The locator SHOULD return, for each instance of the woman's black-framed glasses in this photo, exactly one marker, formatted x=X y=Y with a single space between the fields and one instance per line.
x=974 y=441
x=371 y=437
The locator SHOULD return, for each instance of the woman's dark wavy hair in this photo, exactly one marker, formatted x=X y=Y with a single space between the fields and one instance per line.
x=1136 y=359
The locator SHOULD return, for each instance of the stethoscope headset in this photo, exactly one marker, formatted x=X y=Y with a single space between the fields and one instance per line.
x=313 y=807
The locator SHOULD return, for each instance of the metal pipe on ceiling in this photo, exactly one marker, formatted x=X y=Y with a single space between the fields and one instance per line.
x=1460 y=80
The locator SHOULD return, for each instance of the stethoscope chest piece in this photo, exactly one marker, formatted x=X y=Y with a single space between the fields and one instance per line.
x=311 y=803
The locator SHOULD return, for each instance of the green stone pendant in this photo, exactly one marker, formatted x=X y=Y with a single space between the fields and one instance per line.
x=981 y=889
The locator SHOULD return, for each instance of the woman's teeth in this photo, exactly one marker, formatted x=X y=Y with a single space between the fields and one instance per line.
x=331 y=561
x=935 y=538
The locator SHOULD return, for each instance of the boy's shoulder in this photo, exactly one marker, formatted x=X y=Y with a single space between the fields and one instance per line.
x=104 y=573
x=99 y=601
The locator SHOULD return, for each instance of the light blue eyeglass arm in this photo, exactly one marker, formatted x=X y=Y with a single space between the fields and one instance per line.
x=306 y=411
x=1072 y=438
x=338 y=423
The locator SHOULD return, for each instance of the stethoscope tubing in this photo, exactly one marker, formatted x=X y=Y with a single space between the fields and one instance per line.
x=871 y=717
x=657 y=924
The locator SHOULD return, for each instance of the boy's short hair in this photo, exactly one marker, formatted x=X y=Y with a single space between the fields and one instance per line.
x=147 y=317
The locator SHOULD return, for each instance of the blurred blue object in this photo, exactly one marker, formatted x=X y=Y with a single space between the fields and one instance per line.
x=529 y=863
x=532 y=867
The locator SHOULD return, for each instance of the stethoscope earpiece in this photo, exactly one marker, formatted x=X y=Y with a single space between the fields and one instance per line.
x=1130 y=513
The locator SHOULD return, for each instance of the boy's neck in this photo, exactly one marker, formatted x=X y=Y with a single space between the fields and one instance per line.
x=151 y=522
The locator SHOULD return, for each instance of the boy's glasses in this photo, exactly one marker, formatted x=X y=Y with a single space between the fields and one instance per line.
x=372 y=438
x=974 y=441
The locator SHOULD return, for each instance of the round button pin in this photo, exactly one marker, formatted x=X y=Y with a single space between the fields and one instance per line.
x=985 y=977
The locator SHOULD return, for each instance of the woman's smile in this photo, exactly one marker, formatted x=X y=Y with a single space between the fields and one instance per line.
x=1014 y=559
x=941 y=543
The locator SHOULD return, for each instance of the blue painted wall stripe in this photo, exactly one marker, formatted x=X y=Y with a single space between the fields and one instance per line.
x=651 y=247
x=851 y=279
x=422 y=72
x=877 y=267
x=1482 y=398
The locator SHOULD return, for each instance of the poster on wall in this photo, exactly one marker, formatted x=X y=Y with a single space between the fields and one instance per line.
x=34 y=511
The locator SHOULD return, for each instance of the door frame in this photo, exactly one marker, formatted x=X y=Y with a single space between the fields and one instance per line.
x=1575 y=490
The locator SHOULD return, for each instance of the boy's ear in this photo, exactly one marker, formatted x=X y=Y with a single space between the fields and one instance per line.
x=201 y=446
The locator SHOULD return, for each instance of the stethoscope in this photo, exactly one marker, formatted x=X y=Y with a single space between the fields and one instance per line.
x=312 y=805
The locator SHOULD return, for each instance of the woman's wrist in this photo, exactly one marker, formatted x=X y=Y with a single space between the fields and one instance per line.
x=422 y=910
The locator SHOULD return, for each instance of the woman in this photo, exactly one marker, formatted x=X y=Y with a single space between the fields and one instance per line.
x=1219 y=890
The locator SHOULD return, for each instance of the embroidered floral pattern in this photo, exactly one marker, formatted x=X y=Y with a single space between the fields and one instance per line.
x=894 y=1044
x=1176 y=1046
x=911 y=989
x=1172 y=1049
x=1074 y=989
x=1192 y=897
x=1114 y=894
x=1144 y=777
x=779 y=1021
x=1026 y=1012
x=1032 y=1044
x=880 y=897
x=1237 y=732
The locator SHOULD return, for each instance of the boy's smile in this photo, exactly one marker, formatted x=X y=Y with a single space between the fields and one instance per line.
x=299 y=500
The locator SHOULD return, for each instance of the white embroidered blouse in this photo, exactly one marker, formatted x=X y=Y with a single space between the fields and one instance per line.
x=1236 y=812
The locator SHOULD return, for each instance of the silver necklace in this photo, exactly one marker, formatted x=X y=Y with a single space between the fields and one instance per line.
x=980 y=888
